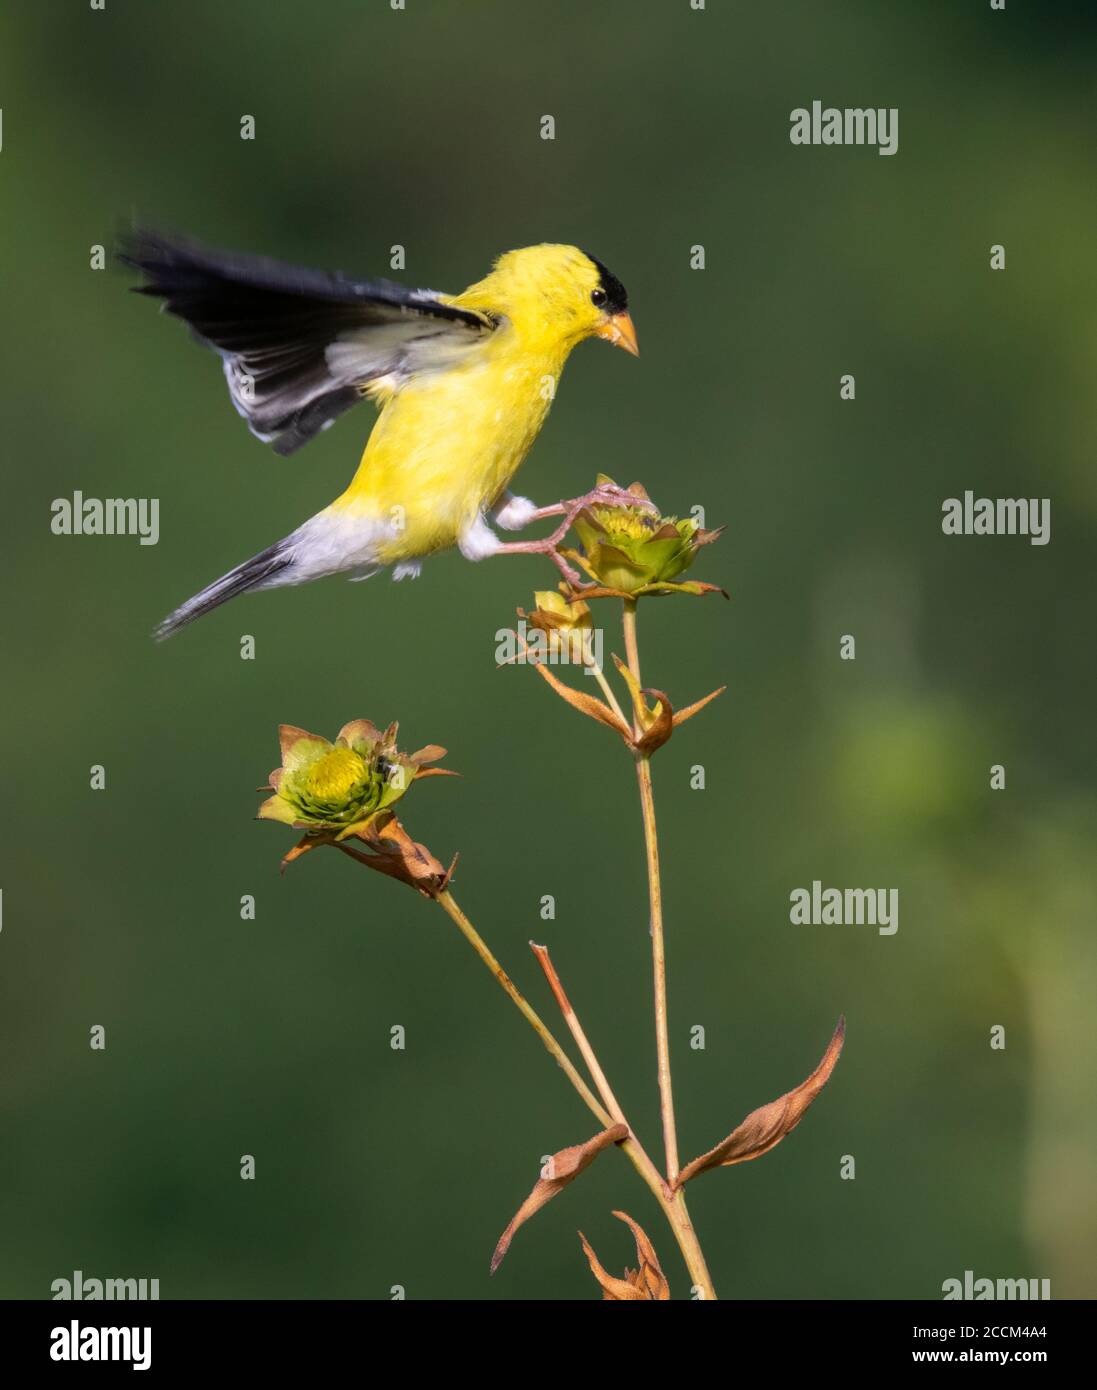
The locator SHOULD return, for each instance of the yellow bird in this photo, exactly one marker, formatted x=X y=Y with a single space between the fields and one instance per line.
x=463 y=382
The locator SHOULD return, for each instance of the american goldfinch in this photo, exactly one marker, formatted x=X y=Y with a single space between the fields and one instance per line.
x=463 y=383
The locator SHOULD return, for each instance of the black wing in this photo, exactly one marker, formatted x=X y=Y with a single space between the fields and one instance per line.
x=299 y=346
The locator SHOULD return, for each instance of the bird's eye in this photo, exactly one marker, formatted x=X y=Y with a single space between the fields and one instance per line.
x=598 y=297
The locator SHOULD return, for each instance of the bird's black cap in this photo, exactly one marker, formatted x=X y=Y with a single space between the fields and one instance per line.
x=616 y=294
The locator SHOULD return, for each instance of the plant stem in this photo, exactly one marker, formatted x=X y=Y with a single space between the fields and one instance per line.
x=673 y=1204
x=677 y=1213
x=659 y=967
x=598 y=1076
x=607 y=690
x=632 y=651
x=655 y=901
x=448 y=903
x=608 y=1110
x=690 y=1246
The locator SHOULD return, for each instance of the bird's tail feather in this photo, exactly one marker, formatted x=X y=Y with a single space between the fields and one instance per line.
x=256 y=573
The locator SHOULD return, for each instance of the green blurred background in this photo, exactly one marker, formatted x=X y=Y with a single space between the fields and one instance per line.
x=121 y=907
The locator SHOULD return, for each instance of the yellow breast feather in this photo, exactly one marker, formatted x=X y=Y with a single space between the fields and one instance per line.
x=446 y=445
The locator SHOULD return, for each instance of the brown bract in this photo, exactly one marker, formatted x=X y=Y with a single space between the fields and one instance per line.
x=645 y=1284
x=687 y=586
x=767 y=1126
x=657 y=721
x=562 y=1168
x=391 y=851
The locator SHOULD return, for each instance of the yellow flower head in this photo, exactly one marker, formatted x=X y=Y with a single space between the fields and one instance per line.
x=633 y=550
x=343 y=786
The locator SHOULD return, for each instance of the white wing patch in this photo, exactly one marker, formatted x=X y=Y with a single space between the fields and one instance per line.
x=398 y=351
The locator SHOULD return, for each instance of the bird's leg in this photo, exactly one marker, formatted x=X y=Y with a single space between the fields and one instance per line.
x=548 y=545
x=544 y=547
x=516 y=513
x=479 y=540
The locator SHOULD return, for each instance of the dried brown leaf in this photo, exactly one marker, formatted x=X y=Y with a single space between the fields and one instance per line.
x=430 y=754
x=703 y=537
x=393 y=852
x=656 y=721
x=645 y=1284
x=590 y=590
x=767 y=1126
x=303 y=845
x=614 y=1290
x=682 y=715
x=562 y=1168
x=589 y=705
x=660 y=721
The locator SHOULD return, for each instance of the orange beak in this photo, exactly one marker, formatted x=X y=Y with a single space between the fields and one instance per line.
x=620 y=330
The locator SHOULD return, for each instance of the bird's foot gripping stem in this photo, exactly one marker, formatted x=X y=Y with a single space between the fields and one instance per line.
x=518 y=512
x=605 y=495
x=548 y=546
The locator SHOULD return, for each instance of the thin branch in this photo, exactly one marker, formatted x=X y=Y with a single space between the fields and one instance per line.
x=672 y=1203
x=607 y=689
x=448 y=903
x=655 y=902
x=632 y=651
x=677 y=1212
x=598 y=1076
